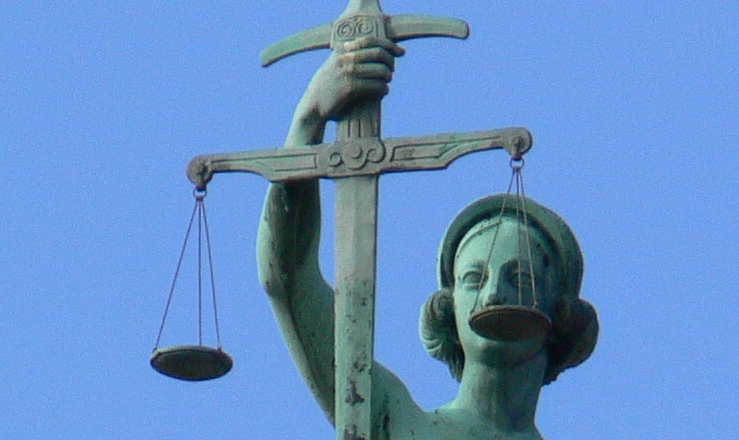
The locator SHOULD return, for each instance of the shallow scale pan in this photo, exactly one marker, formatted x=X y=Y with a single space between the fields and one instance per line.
x=191 y=362
x=510 y=323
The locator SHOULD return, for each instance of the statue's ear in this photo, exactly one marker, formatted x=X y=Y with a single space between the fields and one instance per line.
x=574 y=335
x=437 y=316
x=438 y=330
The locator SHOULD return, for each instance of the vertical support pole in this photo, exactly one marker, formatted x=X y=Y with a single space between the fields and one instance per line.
x=356 y=254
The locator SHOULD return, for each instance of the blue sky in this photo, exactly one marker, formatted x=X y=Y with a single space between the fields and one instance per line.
x=634 y=107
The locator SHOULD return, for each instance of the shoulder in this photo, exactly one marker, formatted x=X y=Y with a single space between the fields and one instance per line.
x=390 y=392
x=393 y=405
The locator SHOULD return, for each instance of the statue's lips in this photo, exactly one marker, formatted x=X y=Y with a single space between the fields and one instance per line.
x=510 y=323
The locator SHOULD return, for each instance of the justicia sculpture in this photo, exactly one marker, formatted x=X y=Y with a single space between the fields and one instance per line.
x=330 y=330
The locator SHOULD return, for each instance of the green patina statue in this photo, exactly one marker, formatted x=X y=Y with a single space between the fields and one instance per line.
x=500 y=380
x=501 y=345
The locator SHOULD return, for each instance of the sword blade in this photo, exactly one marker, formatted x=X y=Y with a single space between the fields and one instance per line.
x=356 y=255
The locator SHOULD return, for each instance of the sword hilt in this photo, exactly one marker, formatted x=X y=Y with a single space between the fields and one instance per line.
x=354 y=25
x=363 y=18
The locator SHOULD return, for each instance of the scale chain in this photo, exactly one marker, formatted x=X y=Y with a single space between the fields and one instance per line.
x=200 y=211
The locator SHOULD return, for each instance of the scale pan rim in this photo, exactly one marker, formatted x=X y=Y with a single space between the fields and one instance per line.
x=191 y=362
x=484 y=320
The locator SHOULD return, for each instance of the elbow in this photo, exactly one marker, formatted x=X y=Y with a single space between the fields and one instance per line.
x=273 y=276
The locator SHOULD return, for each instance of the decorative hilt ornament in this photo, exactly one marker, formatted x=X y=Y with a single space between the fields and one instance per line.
x=360 y=19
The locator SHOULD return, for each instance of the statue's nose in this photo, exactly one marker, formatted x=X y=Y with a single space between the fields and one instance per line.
x=492 y=295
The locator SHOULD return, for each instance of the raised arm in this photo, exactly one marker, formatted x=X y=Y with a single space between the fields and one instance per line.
x=287 y=255
x=289 y=232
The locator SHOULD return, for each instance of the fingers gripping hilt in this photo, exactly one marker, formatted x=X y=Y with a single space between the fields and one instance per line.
x=363 y=19
x=360 y=22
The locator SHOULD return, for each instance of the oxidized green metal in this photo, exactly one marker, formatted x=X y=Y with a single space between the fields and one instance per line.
x=329 y=330
x=331 y=161
x=355 y=161
x=362 y=18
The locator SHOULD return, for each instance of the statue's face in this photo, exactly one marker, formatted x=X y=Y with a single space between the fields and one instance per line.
x=482 y=280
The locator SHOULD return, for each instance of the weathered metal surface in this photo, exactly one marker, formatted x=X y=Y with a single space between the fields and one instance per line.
x=356 y=241
x=356 y=160
x=363 y=23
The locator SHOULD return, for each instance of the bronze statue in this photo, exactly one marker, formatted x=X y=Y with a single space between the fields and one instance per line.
x=499 y=380
x=502 y=362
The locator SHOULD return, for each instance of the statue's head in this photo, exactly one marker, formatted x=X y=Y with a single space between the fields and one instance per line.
x=554 y=258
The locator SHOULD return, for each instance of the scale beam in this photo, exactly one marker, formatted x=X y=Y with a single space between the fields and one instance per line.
x=371 y=156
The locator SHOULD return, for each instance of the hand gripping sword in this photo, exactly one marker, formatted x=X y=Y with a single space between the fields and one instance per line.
x=355 y=161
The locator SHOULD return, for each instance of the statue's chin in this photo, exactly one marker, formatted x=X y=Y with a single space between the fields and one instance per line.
x=505 y=353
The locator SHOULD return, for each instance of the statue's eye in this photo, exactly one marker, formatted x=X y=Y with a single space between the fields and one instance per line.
x=518 y=275
x=520 y=278
x=472 y=279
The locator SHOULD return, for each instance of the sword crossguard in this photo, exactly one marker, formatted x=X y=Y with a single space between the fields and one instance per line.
x=361 y=19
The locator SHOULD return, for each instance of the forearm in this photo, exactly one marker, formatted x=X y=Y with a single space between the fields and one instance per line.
x=288 y=241
x=307 y=126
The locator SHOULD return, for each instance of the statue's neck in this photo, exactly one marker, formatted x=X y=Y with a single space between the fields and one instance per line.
x=505 y=396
